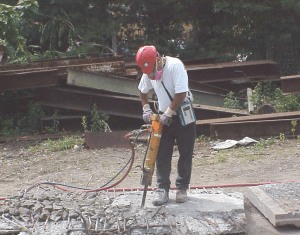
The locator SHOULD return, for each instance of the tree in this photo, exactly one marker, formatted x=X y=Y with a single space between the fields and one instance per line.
x=13 y=19
x=262 y=30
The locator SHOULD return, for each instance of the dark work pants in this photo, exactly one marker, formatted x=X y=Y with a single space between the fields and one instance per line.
x=185 y=138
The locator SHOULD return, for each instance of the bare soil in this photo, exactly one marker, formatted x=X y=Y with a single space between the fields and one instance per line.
x=20 y=169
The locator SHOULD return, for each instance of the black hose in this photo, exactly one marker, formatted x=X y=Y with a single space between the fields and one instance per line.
x=88 y=189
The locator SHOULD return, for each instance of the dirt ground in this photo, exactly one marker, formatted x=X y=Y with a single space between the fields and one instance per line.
x=20 y=169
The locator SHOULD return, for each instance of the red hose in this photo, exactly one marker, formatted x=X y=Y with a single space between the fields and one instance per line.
x=192 y=187
x=108 y=188
x=204 y=186
x=116 y=183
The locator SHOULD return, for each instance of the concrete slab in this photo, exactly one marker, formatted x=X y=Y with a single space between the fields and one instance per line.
x=206 y=212
x=279 y=203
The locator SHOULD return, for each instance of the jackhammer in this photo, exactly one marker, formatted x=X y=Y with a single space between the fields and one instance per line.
x=155 y=131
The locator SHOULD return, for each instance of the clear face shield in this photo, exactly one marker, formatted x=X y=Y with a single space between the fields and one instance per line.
x=157 y=74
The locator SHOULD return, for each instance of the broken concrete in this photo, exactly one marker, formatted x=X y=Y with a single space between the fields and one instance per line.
x=51 y=212
x=206 y=212
x=279 y=203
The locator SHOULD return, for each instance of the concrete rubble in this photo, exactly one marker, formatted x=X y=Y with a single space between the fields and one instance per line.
x=279 y=202
x=57 y=212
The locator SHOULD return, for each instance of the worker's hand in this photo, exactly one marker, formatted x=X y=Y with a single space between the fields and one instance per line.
x=166 y=118
x=147 y=113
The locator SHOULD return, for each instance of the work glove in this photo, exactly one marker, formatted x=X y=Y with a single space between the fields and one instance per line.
x=147 y=113
x=166 y=118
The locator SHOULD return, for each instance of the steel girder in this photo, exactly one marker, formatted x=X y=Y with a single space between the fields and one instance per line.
x=83 y=100
x=290 y=84
x=27 y=80
x=129 y=87
x=204 y=127
x=252 y=129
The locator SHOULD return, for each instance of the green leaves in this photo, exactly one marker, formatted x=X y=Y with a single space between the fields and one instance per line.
x=264 y=29
x=231 y=102
x=12 y=21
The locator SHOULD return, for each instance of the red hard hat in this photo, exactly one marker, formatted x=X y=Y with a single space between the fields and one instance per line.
x=145 y=58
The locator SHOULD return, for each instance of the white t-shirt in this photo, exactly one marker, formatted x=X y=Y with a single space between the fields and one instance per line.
x=175 y=79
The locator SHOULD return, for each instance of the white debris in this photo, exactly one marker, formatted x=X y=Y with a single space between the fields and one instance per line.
x=230 y=143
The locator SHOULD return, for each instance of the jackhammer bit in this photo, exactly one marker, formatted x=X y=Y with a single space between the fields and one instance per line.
x=151 y=154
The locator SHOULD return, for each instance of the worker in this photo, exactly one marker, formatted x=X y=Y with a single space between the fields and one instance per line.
x=169 y=79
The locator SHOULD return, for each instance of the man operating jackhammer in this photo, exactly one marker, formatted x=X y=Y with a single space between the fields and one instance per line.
x=169 y=79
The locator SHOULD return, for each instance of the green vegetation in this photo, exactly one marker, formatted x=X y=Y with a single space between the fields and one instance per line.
x=263 y=143
x=231 y=102
x=202 y=138
x=294 y=124
x=267 y=92
x=22 y=124
x=54 y=128
x=36 y=29
x=99 y=121
x=59 y=145
x=281 y=137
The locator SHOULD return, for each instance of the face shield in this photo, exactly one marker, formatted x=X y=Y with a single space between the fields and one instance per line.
x=155 y=73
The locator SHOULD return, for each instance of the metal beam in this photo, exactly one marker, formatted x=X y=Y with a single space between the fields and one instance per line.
x=55 y=63
x=207 y=88
x=102 y=82
x=203 y=126
x=83 y=100
x=27 y=80
x=240 y=71
x=129 y=87
x=252 y=129
x=101 y=140
x=290 y=84
x=237 y=72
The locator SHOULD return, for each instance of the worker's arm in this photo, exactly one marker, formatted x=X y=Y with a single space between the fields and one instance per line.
x=147 y=111
x=165 y=119
x=144 y=98
x=177 y=101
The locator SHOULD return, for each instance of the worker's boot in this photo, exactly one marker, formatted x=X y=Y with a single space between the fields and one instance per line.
x=181 y=195
x=161 y=197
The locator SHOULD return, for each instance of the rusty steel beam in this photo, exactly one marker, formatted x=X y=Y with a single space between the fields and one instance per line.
x=130 y=62
x=236 y=72
x=27 y=80
x=204 y=112
x=290 y=84
x=203 y=126
x=241 y=71
x=101 y=140
x=253 y=129
x=102 y=82
x=71 y=99
x=115 y=68
x=83 y=100
x=207 y=88
x=65 y=63
x=122 y=85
